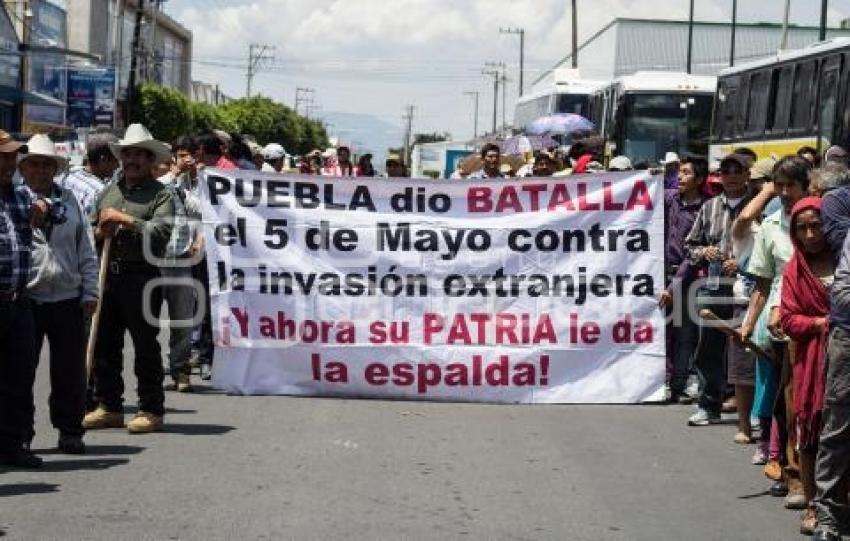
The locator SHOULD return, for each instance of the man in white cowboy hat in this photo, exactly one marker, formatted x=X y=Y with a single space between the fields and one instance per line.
x=135 y=210
x=63 y=290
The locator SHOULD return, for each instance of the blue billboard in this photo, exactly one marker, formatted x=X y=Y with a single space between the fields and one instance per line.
x=91 y=97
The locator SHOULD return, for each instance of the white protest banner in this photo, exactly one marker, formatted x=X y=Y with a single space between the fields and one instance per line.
x=526 y=290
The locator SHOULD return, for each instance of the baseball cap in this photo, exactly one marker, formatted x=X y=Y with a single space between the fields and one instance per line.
x=273 y=151
x=763 y=168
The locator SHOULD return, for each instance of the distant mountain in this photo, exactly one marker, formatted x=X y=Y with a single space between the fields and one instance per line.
x=365 y=133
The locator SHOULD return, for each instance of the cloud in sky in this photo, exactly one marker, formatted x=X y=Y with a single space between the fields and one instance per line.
x=374 y=56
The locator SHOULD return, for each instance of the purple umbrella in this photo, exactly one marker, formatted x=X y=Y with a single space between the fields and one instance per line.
x=538 y=142
x=560 y=124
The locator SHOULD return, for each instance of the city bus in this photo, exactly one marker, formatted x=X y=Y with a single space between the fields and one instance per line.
x=649 y=113
x=566 y=93
x=779 y=104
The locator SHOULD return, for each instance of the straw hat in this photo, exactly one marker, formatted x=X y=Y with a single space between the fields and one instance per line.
x=8 y=143
x=41 y=145
x=137 y=136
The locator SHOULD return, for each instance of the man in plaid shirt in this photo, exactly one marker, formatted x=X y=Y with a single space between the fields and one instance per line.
x=20 y=211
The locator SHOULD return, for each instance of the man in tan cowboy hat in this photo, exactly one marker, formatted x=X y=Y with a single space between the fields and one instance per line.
x=63 y=290
x=134 y=211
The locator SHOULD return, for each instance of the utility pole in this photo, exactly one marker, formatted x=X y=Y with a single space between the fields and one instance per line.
x=783 y=43
x=690 y=36
x=303 y=95
x=408 y=117
x=256 y=54
x=521 y=33
x=495 y=70
x=575 y=36
x=823 y=7
x=134 y=52
x=475 y=94
x=157 y=4
x=734 y=26
x=504 y=99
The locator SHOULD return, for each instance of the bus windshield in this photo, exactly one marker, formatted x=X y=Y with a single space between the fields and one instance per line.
x=654 y=124
x=573 y=103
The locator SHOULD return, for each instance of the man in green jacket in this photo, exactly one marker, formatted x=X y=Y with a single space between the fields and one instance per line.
x=136 y=211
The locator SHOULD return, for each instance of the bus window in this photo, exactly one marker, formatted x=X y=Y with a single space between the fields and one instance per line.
x=802 y=98
x=778 y=106
x=827 y=103
x=572 y=103
x=757 y=104
x=654 y=124
x=728 y=97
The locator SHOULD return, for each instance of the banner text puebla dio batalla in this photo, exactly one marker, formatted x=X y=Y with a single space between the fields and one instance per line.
x=529 y=290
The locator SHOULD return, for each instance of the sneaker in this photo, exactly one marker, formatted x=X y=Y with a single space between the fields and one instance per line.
x=730 y=406
x=742 y=439
x=796 y=500
x=183 y=383
x=144 y=422
x=71 y=444
x=103 y=418
x=206 y=371
x=760 y=456
x=809 y=522
x=778 y=489
x=703 y=418
x=20 y=458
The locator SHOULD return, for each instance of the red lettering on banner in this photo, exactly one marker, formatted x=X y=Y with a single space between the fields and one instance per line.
x=534 y=194
x=639 y=197
x=241 y=316
x=589 y=198
x=608 y=197
x=477 y=373
x=508 y=199
x=478 y=199
x=472 y=329
x=560 y=198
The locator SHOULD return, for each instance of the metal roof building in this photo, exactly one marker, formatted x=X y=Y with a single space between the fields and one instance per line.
x=625 y=46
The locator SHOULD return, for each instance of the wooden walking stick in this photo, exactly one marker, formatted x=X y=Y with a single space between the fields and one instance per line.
x=727 y=329
x=95 y=319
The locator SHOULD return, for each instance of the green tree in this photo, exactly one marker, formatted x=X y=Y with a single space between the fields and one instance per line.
x=206 y=117
x=165 y=112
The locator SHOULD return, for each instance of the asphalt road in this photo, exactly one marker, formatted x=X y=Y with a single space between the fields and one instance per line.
x=231 y=467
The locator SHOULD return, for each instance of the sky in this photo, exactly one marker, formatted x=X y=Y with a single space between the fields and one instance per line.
x=377 y=56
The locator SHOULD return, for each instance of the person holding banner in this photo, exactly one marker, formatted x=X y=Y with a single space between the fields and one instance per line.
x=680 y=209
x=137 y=212
x=491 y=155
x=343 y=166
x=63 y=289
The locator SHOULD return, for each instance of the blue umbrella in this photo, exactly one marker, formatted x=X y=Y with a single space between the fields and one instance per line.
x=560 y=124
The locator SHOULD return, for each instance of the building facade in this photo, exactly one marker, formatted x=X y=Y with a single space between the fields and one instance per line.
x=625 y=46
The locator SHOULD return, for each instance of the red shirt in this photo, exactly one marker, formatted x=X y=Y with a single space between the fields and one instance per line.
x=224 y=163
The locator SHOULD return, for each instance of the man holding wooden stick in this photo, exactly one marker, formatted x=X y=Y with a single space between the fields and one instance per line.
x=137 y=212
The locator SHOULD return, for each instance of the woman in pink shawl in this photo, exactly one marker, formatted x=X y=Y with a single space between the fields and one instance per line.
x=804 y=309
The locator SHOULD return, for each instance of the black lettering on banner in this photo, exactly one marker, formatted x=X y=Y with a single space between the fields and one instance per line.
x=276 y=229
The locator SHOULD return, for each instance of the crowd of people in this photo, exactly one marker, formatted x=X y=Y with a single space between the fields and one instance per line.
x=757 y=244
x=766 y=256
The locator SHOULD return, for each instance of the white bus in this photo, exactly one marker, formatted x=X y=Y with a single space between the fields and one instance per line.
x=566 y=93
x=649 y=113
